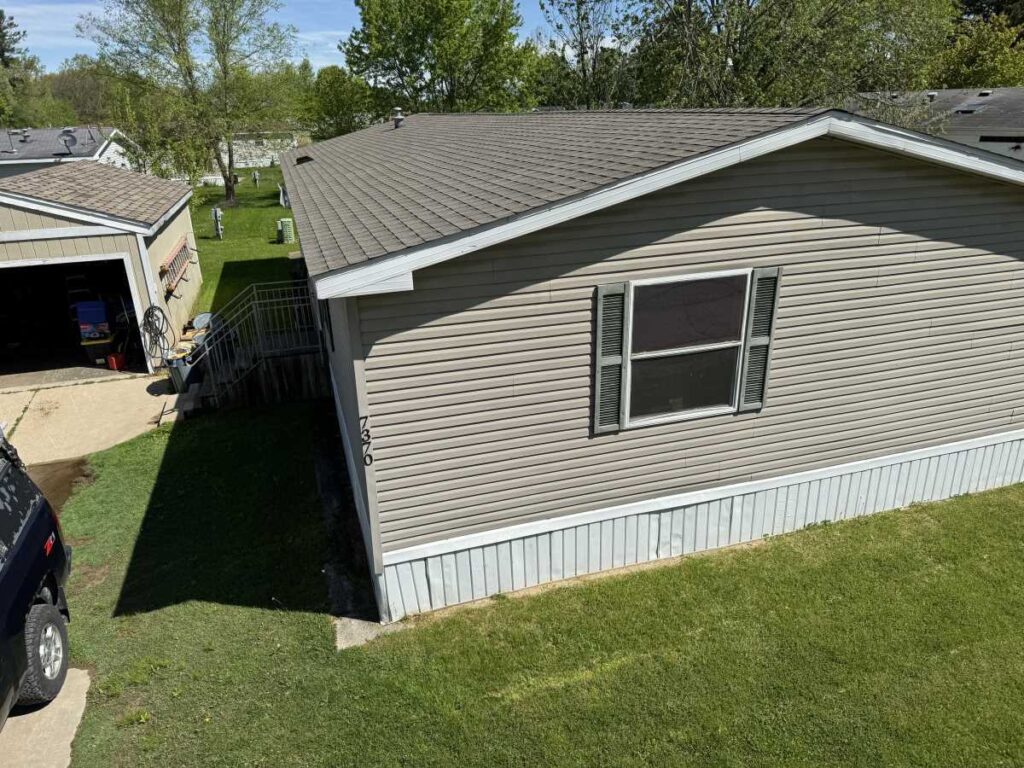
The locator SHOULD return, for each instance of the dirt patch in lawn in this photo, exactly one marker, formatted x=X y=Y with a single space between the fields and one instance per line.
x=59 y=479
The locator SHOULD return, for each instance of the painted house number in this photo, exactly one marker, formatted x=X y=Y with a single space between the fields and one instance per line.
x=364 y=436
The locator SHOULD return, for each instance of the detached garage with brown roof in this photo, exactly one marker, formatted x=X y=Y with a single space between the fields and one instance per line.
x=85 y=250
x=565 y=343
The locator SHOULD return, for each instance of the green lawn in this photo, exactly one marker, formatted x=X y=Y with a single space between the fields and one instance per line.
x=198 y=605
x=249 y=252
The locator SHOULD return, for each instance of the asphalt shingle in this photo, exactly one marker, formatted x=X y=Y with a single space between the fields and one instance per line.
x=17 y=146
x=383 y=190
x=90 y=186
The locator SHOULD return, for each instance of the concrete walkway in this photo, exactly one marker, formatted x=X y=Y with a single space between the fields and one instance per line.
x=71 y=421
x=41 y=737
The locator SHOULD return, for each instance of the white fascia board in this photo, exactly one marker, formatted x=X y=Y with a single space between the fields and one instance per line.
x=394 y=273
x=170 y=214
x=56 y=233
x=676 y=501
x=68 y=212
x=76 y=214
x=927 y=148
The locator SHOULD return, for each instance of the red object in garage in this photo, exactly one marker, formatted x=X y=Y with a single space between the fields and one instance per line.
x=116 y=361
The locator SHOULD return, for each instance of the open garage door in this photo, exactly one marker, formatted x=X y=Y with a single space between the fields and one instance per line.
x=67 y=320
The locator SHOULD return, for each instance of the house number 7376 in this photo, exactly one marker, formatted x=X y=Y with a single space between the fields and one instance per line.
x=364 y=437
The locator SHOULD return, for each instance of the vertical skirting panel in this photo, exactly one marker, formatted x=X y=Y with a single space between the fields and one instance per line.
x=414 y=584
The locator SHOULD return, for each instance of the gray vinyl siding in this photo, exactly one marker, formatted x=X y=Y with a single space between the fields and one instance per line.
x=899 y=326
x=345 y=360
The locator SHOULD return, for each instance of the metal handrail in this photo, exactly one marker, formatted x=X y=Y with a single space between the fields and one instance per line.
x=264 y=320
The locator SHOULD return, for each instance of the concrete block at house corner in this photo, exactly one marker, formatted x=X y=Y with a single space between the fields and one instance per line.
x=349 y=633
x=41 y=737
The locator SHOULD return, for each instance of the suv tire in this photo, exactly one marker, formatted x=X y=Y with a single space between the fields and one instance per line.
x=46 y=645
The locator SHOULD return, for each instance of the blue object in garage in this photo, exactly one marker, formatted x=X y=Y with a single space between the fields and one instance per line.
x=92 y=319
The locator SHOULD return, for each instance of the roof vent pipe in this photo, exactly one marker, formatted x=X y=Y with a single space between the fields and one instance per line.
x=397 y=117
x=986 y=92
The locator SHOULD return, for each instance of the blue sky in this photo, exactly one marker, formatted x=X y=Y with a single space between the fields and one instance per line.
x=321 y=23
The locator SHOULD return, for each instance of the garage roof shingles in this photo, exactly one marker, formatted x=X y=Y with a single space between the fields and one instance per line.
x=92 y=187
x=382 y=190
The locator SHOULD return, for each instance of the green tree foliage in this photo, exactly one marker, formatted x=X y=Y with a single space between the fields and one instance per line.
x=200 y=53
x=10 y=40
x=1013 y=10
x=341 y=103
x=782 y=52
x=85 y=85
x=984 y=53
x=441 y=55
x=592 y=67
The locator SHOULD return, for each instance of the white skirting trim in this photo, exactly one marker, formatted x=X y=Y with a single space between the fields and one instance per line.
x=433 y=576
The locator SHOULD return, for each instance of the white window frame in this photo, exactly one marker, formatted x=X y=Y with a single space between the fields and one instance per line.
x=694 y=413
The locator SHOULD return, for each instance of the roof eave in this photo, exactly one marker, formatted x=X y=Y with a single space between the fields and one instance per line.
x=92 y=217
x=394 y=272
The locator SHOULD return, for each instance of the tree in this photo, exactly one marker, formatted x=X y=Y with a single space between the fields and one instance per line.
x=442 y=55
x=984 y=53
x=783 y=52
x=10 y=40
x=1013 y=10
x=204 y=52
x=341 y=103
x=583 y=39
x=83 y=83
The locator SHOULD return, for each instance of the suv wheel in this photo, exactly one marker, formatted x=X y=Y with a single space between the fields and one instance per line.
x=46 y=644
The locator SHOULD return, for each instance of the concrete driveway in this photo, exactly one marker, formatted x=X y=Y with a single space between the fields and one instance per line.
x=70 y=421
x=41 y=737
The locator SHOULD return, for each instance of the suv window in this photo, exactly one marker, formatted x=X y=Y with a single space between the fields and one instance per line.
x=17 y=497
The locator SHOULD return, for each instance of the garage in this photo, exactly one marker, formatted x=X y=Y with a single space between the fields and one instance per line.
x=68 y=318
x=85 y=251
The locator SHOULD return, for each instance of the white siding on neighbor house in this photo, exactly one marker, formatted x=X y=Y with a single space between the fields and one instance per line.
x=899 y=327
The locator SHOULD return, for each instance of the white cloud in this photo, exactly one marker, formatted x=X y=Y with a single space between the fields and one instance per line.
x=321 y=46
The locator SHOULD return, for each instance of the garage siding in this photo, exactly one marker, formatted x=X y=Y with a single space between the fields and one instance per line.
x=179 y=304
x=899 y=327
x=17 y=219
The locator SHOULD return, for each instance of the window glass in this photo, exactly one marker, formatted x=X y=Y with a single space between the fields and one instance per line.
x=663 y=385
x=688 y=313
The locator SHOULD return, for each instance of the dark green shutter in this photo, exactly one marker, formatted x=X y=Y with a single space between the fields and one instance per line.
x=609 y=346
x=764 y=298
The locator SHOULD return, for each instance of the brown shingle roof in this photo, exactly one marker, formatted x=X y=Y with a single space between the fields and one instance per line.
x=93 y=187
x=382 y=190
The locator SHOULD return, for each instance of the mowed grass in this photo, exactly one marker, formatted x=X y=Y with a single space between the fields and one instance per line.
x=249 y=252
x=197 y=604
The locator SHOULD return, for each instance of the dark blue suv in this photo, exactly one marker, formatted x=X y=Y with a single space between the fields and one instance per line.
x=34 y=565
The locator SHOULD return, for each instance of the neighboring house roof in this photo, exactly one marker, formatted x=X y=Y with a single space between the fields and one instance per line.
x=375 y=205
x=95 y=188
x=381 y=190
x=44 y=144
x=989 y=118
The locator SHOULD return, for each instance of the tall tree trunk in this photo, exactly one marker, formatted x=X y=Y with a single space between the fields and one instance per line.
x=227 y=169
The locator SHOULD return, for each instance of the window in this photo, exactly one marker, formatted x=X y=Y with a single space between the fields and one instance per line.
x=684 y=346
x=173 y=270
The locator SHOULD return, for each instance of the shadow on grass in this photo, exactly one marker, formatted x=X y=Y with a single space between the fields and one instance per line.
x=236 y=276
x=236 y=516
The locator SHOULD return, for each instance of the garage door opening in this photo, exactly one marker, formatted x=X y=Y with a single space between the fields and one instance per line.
x=59 y=322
